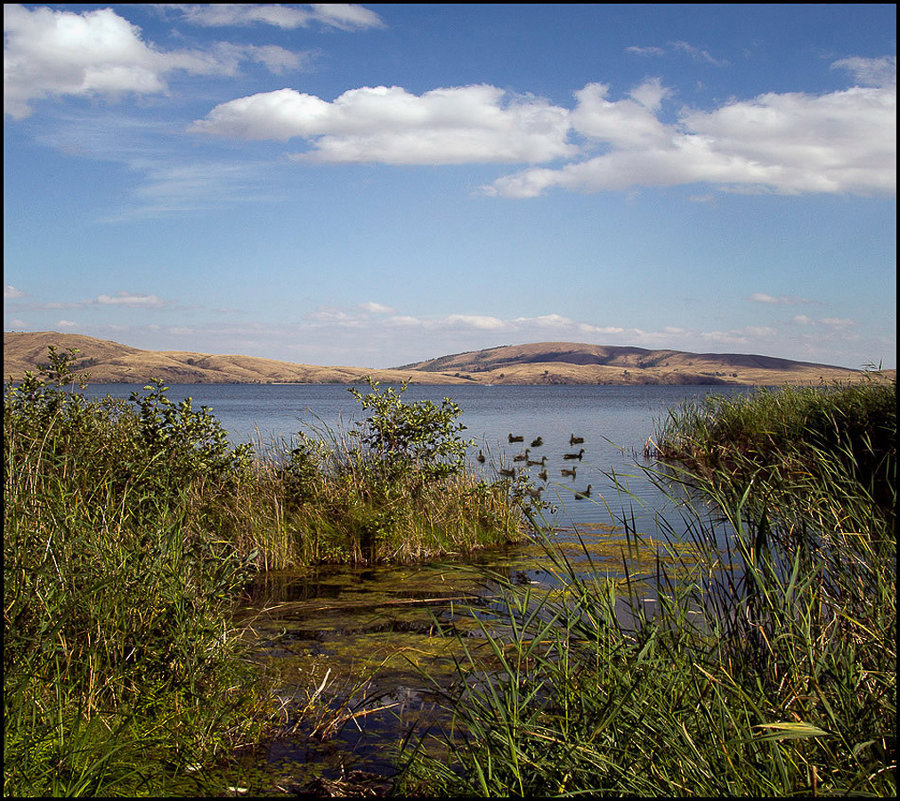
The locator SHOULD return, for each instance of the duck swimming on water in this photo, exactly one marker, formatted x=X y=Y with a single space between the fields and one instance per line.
x=574 y=455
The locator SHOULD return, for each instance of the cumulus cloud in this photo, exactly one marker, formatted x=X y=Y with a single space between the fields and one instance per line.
x=786 y=143
x=454 y=125
x=98 y=53
x=791 y=143
x=10 y=292
x=345 y=16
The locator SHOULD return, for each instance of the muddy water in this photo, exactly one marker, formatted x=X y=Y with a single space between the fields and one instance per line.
x=351 y=648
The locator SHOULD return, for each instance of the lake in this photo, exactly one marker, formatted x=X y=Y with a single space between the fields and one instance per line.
x=377 y=625
x=613 y=421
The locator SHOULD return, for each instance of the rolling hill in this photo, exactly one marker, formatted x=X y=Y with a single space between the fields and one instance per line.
x=537 y=363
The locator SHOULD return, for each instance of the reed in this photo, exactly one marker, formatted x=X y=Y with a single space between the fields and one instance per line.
x=766 y=667
x=130 y=529
x=116 y=605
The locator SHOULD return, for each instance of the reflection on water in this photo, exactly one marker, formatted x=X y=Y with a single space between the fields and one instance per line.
x=373 y=631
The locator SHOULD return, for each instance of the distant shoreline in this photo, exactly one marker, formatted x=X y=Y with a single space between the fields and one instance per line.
x=535 y=364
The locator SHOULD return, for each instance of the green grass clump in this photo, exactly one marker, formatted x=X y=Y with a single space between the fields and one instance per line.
x=783 y=427
x=117 y=595
x=765 y=664
x=131 y=528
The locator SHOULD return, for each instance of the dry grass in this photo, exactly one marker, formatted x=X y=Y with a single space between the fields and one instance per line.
x=540 y=363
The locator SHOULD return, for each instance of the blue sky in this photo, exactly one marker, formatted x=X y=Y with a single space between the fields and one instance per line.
x=375 y=185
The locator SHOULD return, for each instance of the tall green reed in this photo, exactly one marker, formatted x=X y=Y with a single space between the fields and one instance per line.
x=117 y=595
x=766 y=664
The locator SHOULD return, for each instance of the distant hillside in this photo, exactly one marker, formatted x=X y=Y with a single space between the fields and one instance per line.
x=538 y=363
x=110 y=363
x=576 y=363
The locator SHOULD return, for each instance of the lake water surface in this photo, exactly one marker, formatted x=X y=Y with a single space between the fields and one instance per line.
x=613 y=421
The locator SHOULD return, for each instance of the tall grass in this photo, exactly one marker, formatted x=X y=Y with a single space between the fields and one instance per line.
x=130 y=529
x=766 y=667
x=117 y=594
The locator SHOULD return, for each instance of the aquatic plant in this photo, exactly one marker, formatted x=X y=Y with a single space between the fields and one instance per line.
x=130 y=527
x=117 y=594
x=765 y=664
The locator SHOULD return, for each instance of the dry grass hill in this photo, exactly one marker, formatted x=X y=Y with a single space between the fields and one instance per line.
x=539 y=363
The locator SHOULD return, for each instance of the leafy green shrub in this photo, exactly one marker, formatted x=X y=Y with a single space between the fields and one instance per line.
x=407 y=437
x=117 y=590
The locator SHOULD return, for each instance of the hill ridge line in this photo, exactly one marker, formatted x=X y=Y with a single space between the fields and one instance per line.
x=106 y=361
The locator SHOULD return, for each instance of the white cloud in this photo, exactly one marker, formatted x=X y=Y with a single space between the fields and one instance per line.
x=696 y=53
x=275 y=59
x=838 y=322
x=792 y=143
x=781 y=300
x=10 y=291
x=132 y=301
x=870 y=71
x=630 y=123
x=482 y=322
x=645 y=51
x=66 y=324
x=454 y=125
x=346 y=16
x=376 y=308
x=98 y=53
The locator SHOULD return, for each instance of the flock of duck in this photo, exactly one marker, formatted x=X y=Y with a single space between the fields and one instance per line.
x=525 y=456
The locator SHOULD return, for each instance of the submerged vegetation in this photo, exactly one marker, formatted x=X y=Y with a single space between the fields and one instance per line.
x=763 y=665
x=130 y=528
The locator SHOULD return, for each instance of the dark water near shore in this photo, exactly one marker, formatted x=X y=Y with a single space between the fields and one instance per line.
x=363 y=633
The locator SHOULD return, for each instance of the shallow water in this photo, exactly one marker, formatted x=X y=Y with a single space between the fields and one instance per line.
x=362 y=637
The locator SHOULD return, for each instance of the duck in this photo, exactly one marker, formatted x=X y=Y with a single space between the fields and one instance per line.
x=521 y=457
x=586 y=494
x=534 y=493
x=542 y=475
x=515 y=439
x=480 y=457
x=508 y=473
x=574 y=455
x=568 y=472
x=532 y=462
x=573 y=440
x=536 y=443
